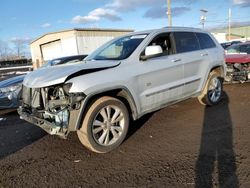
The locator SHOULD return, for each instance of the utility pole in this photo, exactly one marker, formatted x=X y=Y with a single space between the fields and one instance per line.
x=229 y=23
x=169 y=14
x=203 y=17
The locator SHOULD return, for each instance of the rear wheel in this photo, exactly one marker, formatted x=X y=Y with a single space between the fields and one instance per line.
x=105 y=125
x=212 y=92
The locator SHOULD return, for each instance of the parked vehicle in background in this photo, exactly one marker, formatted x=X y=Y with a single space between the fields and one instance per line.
x=10 y=92
x=225 y=45
x=64 y=60
x=238 y=63
x=10 y=88
x=124 y=79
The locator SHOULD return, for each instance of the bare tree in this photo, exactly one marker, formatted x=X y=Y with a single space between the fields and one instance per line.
x=20 y=46
x=4 y=50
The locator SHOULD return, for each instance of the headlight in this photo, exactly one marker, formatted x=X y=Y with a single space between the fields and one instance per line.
x=67 y=87
x=11 y=88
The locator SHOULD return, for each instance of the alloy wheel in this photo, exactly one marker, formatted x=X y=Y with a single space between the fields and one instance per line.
x=108 y=125
x=214 y=90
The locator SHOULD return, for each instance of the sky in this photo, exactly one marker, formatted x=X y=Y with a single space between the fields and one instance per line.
x=29 y=19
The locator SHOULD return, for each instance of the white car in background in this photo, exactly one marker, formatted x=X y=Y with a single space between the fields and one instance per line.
x=121 y=81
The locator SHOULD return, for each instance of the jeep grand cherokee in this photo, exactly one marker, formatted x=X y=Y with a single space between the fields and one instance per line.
x=124 y=79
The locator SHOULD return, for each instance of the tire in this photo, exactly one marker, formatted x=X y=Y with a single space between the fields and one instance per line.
x=105 y=125
x=212 y=93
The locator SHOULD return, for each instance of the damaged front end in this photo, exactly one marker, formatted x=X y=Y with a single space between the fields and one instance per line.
x=52 y=108
x=238 y=72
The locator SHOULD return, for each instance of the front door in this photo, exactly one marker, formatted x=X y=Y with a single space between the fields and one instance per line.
x=160 y=79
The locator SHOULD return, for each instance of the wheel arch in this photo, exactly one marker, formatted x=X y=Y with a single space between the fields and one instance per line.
x=121 y=93
x=218 y=69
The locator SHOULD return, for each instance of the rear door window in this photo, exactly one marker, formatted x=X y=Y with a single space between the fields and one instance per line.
x=205 y=41
x=186 y=42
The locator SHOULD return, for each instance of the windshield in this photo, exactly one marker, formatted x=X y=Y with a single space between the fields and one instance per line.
x=118 y=49
x=239 y=49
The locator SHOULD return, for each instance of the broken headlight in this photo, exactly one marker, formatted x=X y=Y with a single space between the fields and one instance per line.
x=66 y=87
x=60 y=98
x=12 y=88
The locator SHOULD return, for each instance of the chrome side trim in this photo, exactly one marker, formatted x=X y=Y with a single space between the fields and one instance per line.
x=167 y=104
x=173 y=87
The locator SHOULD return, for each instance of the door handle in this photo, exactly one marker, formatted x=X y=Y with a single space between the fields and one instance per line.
x=176 y=60
x=205 y=54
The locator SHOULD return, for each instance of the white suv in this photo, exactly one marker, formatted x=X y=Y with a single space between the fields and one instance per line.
x=124 y=79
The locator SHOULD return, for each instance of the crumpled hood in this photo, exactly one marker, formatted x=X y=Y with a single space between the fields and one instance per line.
x=48 y=76
x=238 y=58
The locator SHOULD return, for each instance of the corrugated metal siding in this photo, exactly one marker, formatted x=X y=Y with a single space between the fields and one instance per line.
x=100 y=33
x=36 y=46
x=86 y=45
x=73 y=42
x=88 y=41
x=52 y=50
x=243 y=31
x=69 y=46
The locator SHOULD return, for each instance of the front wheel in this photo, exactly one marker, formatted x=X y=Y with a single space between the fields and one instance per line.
x=105 y=125
x=212 y=92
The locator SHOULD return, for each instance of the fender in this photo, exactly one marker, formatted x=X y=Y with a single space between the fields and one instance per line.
x=121 y=92
x=218 y=68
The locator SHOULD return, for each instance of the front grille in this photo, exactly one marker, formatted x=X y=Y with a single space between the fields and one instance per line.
x=26 y=96
x=32 y=97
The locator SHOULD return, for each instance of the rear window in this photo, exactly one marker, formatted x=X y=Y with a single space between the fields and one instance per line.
x=186 y=42
x=205 y=41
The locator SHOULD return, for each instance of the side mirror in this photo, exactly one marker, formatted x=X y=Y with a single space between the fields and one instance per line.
x=152 y=51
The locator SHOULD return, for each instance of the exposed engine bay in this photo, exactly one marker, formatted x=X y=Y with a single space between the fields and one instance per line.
x=52 y=108
x=238 y=72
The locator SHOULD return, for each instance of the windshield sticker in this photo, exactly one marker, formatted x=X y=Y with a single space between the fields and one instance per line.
x=138 y=37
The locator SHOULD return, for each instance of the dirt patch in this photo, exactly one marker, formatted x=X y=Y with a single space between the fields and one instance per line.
x=184 y=145
x=15 y=133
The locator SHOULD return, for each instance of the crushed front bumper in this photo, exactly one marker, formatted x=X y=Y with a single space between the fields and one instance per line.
x=52 y=109
x=49 y=127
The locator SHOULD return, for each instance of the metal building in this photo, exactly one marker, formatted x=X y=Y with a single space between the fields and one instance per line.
x=237 y=33
x=71 y=42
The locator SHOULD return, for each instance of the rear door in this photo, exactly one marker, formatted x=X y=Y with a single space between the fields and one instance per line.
x=210 y=53
x=194 y=60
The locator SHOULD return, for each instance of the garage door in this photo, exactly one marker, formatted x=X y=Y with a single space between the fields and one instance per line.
x=51 y=50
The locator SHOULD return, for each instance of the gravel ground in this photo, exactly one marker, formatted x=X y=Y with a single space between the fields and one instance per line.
x=184 y=145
